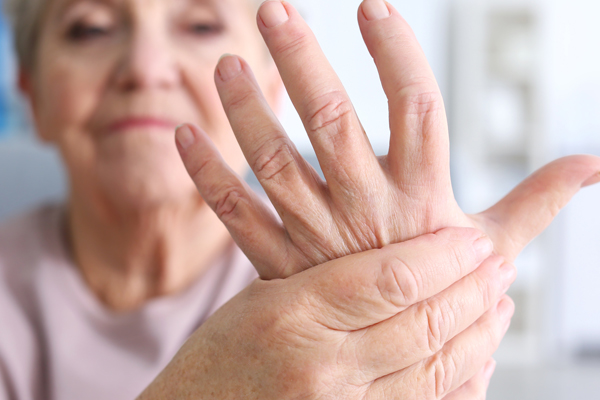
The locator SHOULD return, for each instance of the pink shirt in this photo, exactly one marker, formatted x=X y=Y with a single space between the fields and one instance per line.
x=58 y=342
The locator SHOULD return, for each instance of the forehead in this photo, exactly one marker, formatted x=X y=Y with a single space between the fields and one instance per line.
x=226 y=6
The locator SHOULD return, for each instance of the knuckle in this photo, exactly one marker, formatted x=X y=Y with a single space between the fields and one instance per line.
x=222 y=196
x=290 y=42
x=486 y=287
x=399 y=285
x=422 y=107
x=329 y=113
x=386 y=40
x=439 y=318
x=552 y=199
x=441 y=372
x=273 y=158
x=240 y=99
x=228 y=205
x=199 y=173
x=458 y=255
x=554 y=205
x=418 y=101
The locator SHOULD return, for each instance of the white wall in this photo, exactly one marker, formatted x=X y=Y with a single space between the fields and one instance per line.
x=573 y=73
x=573 y=118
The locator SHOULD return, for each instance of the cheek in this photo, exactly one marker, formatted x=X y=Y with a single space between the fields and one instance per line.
x=210 y=114
x=68 y=96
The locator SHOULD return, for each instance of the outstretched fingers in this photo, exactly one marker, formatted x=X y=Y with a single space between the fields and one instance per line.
x=252 y=225
x=419 y=148
x=522 y=215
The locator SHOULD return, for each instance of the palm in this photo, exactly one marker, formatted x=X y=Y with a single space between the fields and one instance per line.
x=365 y=202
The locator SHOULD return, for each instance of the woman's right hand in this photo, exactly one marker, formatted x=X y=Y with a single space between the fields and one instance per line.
x=412 y=320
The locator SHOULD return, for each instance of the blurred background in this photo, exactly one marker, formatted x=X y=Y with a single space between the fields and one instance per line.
x=521 y=79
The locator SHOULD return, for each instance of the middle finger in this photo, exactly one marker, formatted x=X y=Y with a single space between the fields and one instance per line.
x=342 y=147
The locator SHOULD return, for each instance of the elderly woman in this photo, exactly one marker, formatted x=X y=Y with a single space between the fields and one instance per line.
x=98 y=296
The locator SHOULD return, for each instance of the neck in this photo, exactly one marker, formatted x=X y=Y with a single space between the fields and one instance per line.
x=128 y=258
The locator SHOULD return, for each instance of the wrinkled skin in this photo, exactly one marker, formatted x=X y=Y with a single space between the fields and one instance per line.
x=366 y=202
x=272 y=350
x=382 y=324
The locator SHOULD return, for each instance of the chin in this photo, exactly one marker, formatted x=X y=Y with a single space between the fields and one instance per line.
x=141 y=173
x=136 y=189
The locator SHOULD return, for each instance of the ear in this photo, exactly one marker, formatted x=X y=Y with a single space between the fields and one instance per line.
x=273 y=88
x=24 y=82
x=27 y=88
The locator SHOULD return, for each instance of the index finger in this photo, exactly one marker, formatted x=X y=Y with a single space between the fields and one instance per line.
x=361 y=290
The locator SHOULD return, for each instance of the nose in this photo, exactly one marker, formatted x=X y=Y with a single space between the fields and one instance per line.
x=147 y=61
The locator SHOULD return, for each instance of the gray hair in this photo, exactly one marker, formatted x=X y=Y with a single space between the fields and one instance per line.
x=26 y=17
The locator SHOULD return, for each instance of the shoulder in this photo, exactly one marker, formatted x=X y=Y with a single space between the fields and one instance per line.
x=25 y=242
x=26 y=238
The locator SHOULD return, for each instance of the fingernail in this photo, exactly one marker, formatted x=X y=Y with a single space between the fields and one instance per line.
x=505 y=309
x=508 y=274
x=273 y=13
x=483 y=248
x=592 y=181
x=229 y=67
x=184 y=136
x=375 y=10
x=489 y=369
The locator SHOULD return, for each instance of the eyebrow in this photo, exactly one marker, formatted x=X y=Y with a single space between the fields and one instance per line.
x=62 y=10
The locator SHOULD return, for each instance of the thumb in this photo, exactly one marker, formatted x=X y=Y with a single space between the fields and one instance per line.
x=525 y=212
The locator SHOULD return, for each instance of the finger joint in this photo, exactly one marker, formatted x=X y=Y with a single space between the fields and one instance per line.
x=442 y=371
x=421 y=108
x=400 y=284
x=228 y=205
x=329 y=115
x=273 y=158
x=439 y=320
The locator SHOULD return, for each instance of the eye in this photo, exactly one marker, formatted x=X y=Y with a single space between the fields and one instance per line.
x=83 y=32
x=205 y=29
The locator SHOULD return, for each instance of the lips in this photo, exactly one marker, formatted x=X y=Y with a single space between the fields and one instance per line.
x=143 y=122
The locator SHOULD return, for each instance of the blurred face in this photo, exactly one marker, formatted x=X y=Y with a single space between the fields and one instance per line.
x=113 y=78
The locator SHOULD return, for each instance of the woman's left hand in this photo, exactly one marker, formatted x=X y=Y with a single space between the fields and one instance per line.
x=366 y=202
